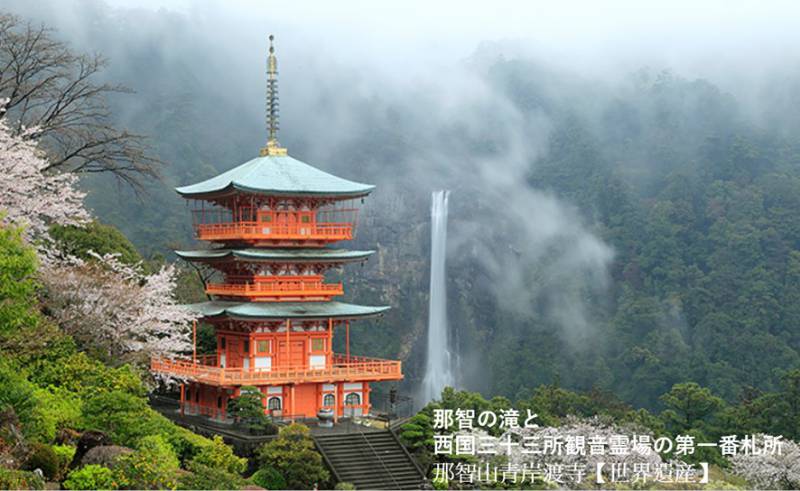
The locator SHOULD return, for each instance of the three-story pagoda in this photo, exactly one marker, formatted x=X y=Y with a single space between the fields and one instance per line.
x=270 y=222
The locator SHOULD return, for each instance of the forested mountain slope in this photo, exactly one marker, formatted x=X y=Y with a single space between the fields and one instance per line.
x=624 y=235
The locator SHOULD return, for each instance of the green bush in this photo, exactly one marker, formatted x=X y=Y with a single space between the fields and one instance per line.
x=17 y=394
x=123 y=416
x=17 y=285
x=14 y=479
x=345 y=486
x=97 y=237
x=248 y=408
x=269 y=478
x=152 y=466
x=293 y=454
x=214 y=467
x=87 y=377
x=91 y=476
x=185 y=443
x=220 y=456
x=43 y=457
x=56 y=408
x=65 y=453
x=201 y=476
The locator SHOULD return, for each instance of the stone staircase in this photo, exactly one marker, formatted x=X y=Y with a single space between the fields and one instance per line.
x=370 y=460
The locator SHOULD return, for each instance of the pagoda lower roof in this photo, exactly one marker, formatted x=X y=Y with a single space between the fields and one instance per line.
x=284 y=310
x=276 y=175
x=309 y=255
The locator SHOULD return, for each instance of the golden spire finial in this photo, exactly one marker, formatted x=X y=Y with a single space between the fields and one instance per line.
x=273 y=147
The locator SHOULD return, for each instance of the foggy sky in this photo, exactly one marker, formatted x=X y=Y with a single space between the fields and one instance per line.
x=403 y=37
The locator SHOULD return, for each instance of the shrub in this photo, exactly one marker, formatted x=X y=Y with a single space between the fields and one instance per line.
x=248 y=408
x=43 y=457
x=345 y=486
x=123 y=416
x=220 y=456
x=91 y=476
x=97 y=237
x=185 y=443
x=153 y=466
x=87 y=377
x=13 y=479
x=65 y=453
x=56 y=408
x=206 y=477
x=17 y=285
x=292 y=454
x=17 y=393
x=269 y=478
x=214 y=467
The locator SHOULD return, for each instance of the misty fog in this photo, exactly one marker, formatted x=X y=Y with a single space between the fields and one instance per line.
x=414 y=97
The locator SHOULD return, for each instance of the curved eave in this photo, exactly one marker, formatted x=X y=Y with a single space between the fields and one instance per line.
x=235 y=188
x=285 y=310
x=333 y=256
x=276 y=176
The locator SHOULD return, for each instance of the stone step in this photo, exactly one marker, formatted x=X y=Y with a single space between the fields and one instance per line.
x=374 y=460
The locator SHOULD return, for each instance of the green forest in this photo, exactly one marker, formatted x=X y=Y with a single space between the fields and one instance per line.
x=627 y=250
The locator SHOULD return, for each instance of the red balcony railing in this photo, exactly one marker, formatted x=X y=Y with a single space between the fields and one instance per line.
x=358 y=368
x=264 y=231
x=278 y=288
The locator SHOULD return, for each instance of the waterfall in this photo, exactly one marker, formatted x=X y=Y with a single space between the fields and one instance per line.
x=438 y=370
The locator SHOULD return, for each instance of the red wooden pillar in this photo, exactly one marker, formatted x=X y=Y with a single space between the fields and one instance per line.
x=347 y=339
x=194 y=342
x=291 y=400
x=330 y=341
x=288 y=349
x=183 y=398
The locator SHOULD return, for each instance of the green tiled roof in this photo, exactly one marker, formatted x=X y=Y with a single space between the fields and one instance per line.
x=285 y=310
x=322 y=254
x=276 y=175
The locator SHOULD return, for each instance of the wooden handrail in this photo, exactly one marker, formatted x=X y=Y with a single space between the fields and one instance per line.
x=359 y=368
x=268 y=230
x=295 y=287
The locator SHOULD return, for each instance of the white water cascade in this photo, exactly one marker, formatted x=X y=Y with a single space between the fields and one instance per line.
x=439 y=367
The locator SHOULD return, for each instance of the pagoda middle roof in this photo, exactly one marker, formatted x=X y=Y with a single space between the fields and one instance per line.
x=313 y=255
x=284 y=310
x=276 y=175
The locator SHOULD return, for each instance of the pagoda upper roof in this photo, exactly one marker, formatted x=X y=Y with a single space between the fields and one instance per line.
x=310 y=255
x=285 y=310
x=278 y=175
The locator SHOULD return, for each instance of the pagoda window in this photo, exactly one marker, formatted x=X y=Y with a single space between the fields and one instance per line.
x=246 y=346
x=352 y=399
x=262 y=346
x=222 y=342
x=328 y=400
x=317 y=344
x=263 y=363
x=316 y=362
x=219 y=402
x=274 y=404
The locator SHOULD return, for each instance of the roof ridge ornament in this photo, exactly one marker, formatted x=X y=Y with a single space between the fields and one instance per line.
x=273 y=147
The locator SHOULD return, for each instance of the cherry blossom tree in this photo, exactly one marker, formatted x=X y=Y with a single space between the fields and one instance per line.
x=771 y=471
x=30 y=195
x=101 y=301
x=114 y=306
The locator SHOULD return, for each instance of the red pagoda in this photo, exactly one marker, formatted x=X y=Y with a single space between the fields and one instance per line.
x=270 y=222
